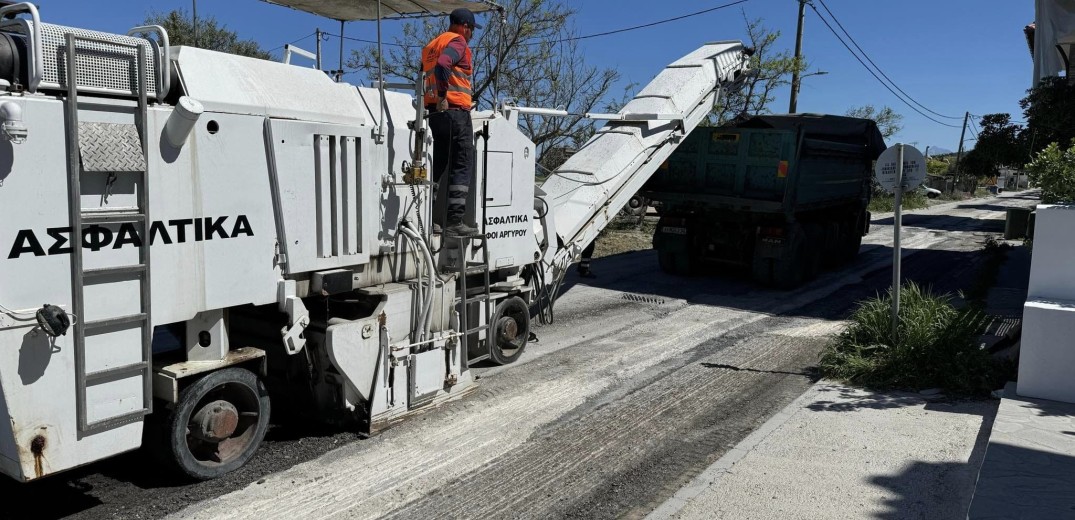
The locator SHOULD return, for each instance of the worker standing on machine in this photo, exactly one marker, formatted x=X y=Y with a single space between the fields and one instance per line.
x=447 y=66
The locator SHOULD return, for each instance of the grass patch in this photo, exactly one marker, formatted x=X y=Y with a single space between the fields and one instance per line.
x=629 y=222
x=623 y=234
x=886 y=204
x=936 y=346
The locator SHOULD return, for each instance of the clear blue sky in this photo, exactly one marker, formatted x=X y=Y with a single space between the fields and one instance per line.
x=952 y=56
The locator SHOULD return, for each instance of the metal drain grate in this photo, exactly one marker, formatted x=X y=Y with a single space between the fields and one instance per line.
x=1003 y=326
x=639 y=298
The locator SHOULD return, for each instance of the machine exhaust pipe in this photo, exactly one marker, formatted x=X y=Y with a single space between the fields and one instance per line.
x=181 y=122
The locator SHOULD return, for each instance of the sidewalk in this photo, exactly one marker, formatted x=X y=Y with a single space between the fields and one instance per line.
x=1029 y=466
x=841 y=453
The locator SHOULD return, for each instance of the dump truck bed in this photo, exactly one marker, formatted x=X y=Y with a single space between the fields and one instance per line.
x=770 y=164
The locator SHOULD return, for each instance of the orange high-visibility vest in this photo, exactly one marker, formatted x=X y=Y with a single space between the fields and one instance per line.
x=459 y=90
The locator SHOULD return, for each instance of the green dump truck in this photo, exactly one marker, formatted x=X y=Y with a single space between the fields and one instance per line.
x=784 y=195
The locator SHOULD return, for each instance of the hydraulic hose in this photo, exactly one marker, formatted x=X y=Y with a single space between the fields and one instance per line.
x=423 y=294
x=427 y=305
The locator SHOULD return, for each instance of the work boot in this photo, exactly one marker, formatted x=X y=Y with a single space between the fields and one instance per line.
x=460 y=229
x=585 y=272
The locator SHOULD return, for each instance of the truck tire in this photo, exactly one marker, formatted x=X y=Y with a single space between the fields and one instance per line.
x=511 y=330
x=761 y=270
x=679 y=264
x=851 y=240
x=792 y=268
x=814 y=255
x=218 y=423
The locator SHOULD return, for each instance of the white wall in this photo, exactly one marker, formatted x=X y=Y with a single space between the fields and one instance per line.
x=1047 y=351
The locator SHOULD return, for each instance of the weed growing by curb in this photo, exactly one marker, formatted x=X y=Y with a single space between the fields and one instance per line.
x=935 y=346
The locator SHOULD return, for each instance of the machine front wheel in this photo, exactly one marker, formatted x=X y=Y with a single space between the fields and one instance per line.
x=218 y=423
x=510 y=329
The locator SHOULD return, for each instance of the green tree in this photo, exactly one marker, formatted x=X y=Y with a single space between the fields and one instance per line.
x=1054 y=170
x=1000 y=144
x=211 y=34
x=774 y=66
x=936 y=166
x=1049 y=110
x=887 y=119
x=530 y=55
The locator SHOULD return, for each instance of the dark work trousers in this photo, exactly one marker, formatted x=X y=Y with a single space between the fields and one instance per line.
x=453 y=156
x=587 y=254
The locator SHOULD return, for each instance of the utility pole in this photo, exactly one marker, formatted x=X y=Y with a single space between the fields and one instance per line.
x=195 y=2
x=798 y=59
x=339 y=73
x=959 y=154
x=318 y=34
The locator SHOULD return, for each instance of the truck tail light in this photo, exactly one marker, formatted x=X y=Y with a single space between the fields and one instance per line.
x=771 y=232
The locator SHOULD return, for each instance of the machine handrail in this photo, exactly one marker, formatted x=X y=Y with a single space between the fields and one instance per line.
x=39 y=61
x=164 y=62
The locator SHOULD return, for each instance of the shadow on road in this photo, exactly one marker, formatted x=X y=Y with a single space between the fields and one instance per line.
x=942 y=271
x=136 y=482
x=945 y=223
x=985 y=207
x=848 y=399
x=1018 y=482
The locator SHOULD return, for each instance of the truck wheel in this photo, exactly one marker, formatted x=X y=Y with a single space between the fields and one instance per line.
x=851 y=241
x=792 y=268
x=762 y=270
x=815 y=250
x=511 y=329
x=678 y=264
x=218 y=423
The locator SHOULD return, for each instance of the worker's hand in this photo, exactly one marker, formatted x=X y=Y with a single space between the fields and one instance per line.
x=442 y=105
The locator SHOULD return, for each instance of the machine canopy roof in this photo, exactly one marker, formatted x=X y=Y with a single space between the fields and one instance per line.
x=351 y=10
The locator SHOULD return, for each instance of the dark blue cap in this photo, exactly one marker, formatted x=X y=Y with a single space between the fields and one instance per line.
x=463 y=16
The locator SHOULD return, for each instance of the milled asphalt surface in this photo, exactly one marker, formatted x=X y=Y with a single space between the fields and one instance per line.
x=642 y=383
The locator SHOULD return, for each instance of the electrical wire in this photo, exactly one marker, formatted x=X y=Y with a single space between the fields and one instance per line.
x=577 y=38
x=651 y=24
x=874 y=74
x=308 y=36
x=867 y=56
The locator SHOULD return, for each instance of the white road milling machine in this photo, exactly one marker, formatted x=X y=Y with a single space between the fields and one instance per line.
x=187 y=236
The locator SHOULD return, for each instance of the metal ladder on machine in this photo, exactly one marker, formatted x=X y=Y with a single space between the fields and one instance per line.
x=463 y=299
x=466 y=268
x=79 y=275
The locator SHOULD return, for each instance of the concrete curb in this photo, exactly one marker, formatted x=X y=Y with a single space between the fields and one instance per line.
x=724 y=465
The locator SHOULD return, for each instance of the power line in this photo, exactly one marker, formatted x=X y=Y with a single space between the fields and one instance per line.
x=867 y=56
x=577 y=38
x=617 y=31
x=874 y=74
x=292 y=43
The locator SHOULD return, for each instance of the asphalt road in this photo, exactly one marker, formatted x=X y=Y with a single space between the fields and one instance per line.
x=642 y=382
